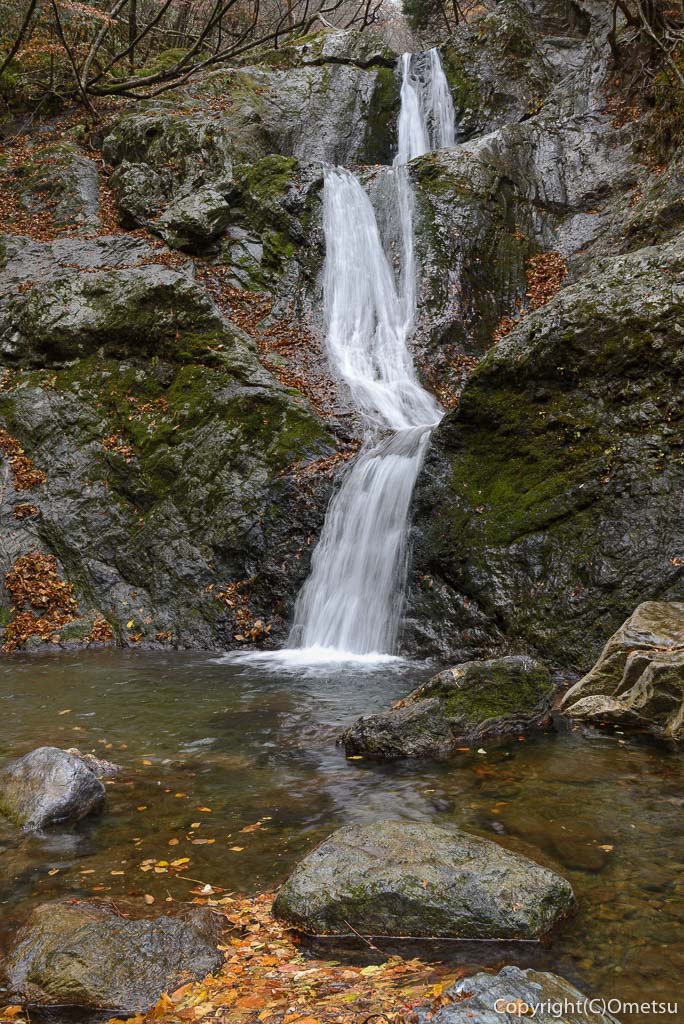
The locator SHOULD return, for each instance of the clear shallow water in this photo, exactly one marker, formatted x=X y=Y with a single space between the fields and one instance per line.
x=256 y=744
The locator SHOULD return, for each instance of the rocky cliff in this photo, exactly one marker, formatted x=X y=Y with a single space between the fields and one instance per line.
x=169 y=433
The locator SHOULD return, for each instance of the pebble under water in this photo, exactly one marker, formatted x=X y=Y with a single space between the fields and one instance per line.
x=209 y=749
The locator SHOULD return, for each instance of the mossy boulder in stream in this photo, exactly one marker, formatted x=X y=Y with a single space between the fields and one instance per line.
x=81 y=953
x=404 y=878
x=468 y=702
x=49 y=787
x=639 y=679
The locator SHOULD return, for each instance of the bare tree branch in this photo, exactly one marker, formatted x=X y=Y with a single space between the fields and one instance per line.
x=16 y=45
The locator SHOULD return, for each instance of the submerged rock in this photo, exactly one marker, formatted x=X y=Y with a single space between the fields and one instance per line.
x=470 y=701
x=101 y=768
x=404 y=878
x=87 y=954
x=639 y=678
x=49 y=787
x=513 y=994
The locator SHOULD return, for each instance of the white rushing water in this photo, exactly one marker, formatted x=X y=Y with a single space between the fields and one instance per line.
x=351 y=604
x=350 y=607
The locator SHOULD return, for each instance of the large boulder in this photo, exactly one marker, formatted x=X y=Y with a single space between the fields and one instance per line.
x=404 y=878
x=639 y=678
x=49 y=787
x=504 y=696
x=512 y=994
x=194 y=220
x=87 y=954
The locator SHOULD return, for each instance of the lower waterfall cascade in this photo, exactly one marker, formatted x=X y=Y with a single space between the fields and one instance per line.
x=351 y=604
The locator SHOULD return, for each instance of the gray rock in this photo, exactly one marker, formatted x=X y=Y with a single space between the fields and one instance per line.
x=49 y=787
x=61 y=182
x=404 y=878
x=86 y=954
x=171 y=452
x=552 y=494
x=484 y=997
x=639 y=678
x=194 y=220
x=504 y=696
x=101 y=768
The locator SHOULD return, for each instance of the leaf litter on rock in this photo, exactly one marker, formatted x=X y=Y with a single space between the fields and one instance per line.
x=268 y=978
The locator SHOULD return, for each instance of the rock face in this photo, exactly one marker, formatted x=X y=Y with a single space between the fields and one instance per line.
x=403 y=878
x=550 y=502
x=49 y=787
x=639 y=678
x=64 y=183
x=484 y=997
x=470 y=701
x=170 y=452
x=85 y=954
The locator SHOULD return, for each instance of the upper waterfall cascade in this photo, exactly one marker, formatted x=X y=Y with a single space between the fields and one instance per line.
x=351 y=603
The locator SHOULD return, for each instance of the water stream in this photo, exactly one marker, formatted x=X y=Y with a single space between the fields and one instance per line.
x=353 y=599
x=225 y=746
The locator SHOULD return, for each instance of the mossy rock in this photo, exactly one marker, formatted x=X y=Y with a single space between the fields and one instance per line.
x=404 y=878
x=550 y=503
x=505 y=696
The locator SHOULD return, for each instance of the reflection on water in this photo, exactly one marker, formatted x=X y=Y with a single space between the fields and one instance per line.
x=210 y=748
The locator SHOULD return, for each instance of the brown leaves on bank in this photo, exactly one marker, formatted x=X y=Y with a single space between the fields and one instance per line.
x=24 y=474
x=236 y=597
x=34 y=583
x=268 y=979
x=545 y=274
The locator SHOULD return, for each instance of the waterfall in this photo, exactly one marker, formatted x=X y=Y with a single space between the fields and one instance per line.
x=440 y=104
x=351 y=603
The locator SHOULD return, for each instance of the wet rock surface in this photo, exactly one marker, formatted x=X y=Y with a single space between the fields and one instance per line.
x=79 y=953
x=505 y=696
x=49 y=788
x=550 y=499
x=170 y=447
x=493 y=998
x=403 y=878
x=639 y=678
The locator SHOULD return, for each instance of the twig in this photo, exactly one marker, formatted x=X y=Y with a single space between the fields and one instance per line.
x=362 y=937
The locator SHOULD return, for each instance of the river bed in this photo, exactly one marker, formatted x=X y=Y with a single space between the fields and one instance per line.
x=236 y=768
